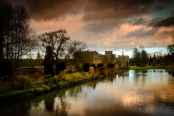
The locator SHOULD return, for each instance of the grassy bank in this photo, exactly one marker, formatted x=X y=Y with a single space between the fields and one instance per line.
x=52 y=83
x=148 y=67
x=170 y=69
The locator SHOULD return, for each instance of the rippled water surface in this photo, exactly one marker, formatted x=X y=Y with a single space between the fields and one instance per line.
x=135 y=92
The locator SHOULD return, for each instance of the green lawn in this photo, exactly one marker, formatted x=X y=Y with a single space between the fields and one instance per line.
x=148 y=67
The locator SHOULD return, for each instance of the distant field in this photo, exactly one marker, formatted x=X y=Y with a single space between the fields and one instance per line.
x=148 y=67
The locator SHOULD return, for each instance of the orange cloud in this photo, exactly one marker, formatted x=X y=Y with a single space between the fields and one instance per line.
x=147 y=17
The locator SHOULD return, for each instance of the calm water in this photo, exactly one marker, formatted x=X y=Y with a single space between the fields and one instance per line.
x=144 y=92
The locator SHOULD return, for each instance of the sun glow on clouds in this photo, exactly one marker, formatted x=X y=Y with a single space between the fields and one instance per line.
x=117 y=39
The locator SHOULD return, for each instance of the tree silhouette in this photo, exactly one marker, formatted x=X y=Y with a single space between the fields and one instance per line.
x=55 y=40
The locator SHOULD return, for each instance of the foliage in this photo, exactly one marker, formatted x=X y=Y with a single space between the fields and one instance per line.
x=49 y=55
x=6 y=68
x=100 y=65
x=170 y=48
x=24 y=82
x=150 y=60
x=60 y=66
x=170 y=69
x=86 y=67
x=142 y=65
x=153 y=64
x=56 y=41
x=139 y=56
x=110 y=65
x=17 y=38
x=74 y=46
x=48 y=69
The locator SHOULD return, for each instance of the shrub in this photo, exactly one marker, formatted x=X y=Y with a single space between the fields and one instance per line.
x=24 y=82
x=142 y=65
x=6 y=68
x=153 y=64
x=110 y=65
x=48 y=69
x=86 y=67
x=60 y=66
x=102 y=72
x=169 y=62
x=100 y=65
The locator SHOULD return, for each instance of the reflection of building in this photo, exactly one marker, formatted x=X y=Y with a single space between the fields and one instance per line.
x=94 y=58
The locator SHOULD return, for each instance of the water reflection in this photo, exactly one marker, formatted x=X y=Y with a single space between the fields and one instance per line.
x=135 y=92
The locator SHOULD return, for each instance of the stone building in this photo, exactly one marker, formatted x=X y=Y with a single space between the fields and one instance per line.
x=122 y=60
x=94 y=58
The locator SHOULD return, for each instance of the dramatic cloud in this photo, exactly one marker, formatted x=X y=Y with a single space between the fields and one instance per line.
x=116 y=9
x=141 y=33
x=163 y=23
x=106 y=24
x=51 y=9
x=172 y=12
x=93 y=9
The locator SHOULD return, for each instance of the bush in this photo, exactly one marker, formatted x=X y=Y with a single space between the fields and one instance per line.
x=153 y=64
x=60 y=66
x=142 y=65
x=24 y=82
x=48 y=69
x=6 y=68
x=86 y=67
x=110 y=65
x=100 y=65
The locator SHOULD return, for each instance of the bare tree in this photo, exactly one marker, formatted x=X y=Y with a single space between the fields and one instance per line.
x=56 y=41
x=19 y=37
x=74 y=52
x=74 y=46
x=5 y=19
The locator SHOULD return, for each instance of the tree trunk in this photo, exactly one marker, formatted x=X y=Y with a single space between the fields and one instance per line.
x=1 y=47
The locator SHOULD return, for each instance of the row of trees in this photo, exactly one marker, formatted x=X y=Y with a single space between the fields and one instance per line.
x=140 y=56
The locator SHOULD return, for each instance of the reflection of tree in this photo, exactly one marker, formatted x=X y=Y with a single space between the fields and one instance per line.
x=19 y=110
x=92 y=84
x=49 y=101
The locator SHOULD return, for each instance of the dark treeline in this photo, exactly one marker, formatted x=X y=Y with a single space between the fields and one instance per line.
x=140 y=56
x=17 y=38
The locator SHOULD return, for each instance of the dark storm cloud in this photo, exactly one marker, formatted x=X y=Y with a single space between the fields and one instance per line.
x=162 y=22
x=92 y=9
x=51 y=9
x=172 y=12
x=138 y=21
x=141 y=33
x=116 y=9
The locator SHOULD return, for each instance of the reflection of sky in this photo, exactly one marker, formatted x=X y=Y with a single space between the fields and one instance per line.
x=135 y=92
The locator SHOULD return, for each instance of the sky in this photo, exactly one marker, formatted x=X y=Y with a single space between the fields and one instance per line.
x=107 y=25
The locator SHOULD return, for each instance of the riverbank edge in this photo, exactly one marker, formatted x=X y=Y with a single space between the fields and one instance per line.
x=25 y=93
x=148 y=68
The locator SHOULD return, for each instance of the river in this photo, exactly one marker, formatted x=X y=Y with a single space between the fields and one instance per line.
x=130 y=93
